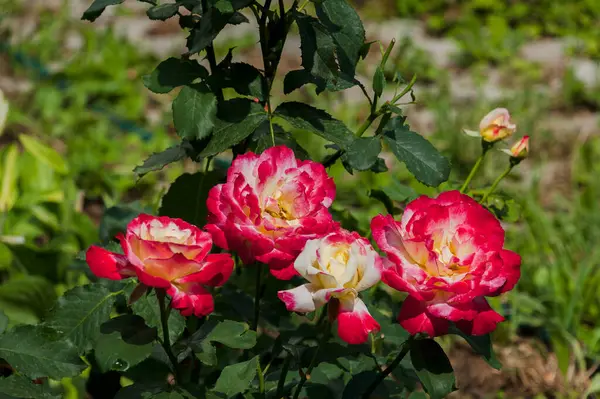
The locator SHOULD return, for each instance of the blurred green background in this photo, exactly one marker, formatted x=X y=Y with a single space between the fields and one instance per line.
x=79 y=120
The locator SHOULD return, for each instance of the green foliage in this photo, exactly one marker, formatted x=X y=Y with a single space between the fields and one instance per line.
x=38 y=351
x=433 y=368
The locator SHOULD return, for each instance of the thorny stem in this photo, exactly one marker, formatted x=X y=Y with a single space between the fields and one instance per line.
x=496 y=182
x=388 y=370
x=485 y=148
x=166 y=341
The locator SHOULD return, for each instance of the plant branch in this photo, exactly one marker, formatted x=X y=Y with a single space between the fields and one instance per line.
x=485 y=148
x=210 y=54
x=313 y=361
x=388 y=370
x=496 y=182
x=166 y=341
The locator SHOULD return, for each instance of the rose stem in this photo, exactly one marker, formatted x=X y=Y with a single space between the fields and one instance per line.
x=166 y=342
x=485 y=148
x=383 y=374
x=496 y=182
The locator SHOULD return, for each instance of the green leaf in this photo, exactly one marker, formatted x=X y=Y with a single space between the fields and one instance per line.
x=97 y=8
x=212 y=22
x=236 y=378
x=113 y=353
x=22 y=387
x=80 y=312
x=172 y=73
x=162 y=11
x=382 y=197
x=482 y=345
x=26 y=299
x=421 y=158
x=378 y=82
x=347 y=31
x=194 y=112
x=36 y=352
x=233 y=334
x=44 y=154
x=230 y=333
x=433 y=368
x=147 y=307
x=10 y=173
x=236 y=119
x=317 y=47
x=305 y=117
x=262 y=140
x=186 y=198
x=159 y=160
x=363 y=153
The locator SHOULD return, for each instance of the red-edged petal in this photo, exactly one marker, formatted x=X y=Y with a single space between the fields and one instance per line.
x=191 y=299
x=106 y=264
x=414 y=318
x=484 y=322
x=299 y=299
x=214 y=271
x=355 y=324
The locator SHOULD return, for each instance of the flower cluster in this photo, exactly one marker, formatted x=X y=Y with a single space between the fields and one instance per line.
x=446 y=252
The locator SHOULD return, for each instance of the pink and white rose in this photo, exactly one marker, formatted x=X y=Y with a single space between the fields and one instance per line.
x=447 y=254
x=270 y=206
x=170 y=254
x=337 y=267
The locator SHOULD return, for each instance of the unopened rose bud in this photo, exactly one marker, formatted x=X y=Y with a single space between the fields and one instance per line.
x=496 y=125
x=520 y=149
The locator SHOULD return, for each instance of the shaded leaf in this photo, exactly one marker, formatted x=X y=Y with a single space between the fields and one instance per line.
x=359 y=383
x=230 y=333
x=236 y=378
x=347 y=31
x=115 y=220
x=186 y=198
x=243 y=78
x=385 y=200
x=113 y=353
x=194 y=111
x=159 y=160
x=400 y=192
x=162 y=11
x=433 y=368
x=420 y=157
x=35 y=351
x=22 y=387
x=363 y=153
x=212 y=22
x=482 y=345
x=317 y=47
x=172 y=73
x=305 y=117
x=296 y=79
x=262 y=140
x=236 y=119
x=97 y=8
x=132 y=329
x=80 y=312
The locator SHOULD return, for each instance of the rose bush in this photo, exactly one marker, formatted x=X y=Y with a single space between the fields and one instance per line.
x=337 y=266
x=447 y=254
x=170 y=254
x=270 y=206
